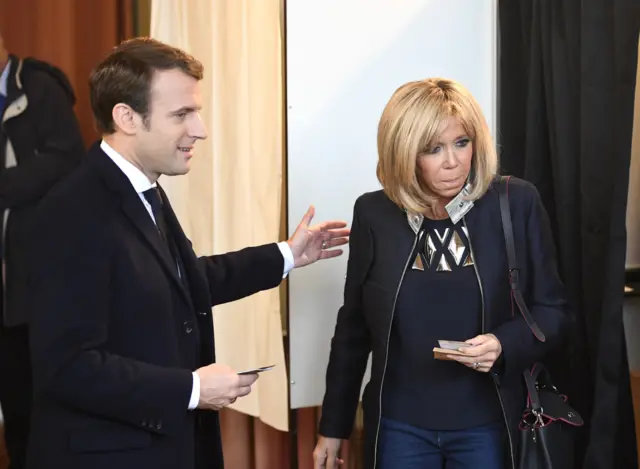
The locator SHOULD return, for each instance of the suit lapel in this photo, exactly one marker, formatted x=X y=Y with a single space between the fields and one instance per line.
x=139 y=217
x=137 y=214
x=197 y=284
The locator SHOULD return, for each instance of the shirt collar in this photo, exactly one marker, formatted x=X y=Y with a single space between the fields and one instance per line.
x=138 y=179
x=4 y=78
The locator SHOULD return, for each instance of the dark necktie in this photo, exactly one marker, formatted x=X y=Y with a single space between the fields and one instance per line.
x=157 y=207
x=153 y=197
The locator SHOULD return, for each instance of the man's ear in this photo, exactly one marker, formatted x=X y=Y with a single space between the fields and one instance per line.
x=126 y=119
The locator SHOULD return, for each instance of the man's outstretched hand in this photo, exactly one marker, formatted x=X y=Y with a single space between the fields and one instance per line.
x=312 y=243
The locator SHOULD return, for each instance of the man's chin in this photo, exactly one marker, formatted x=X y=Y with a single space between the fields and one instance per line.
x=178 y=171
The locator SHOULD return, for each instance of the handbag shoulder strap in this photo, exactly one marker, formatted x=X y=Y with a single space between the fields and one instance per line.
x=514 y=272
x=532 y=391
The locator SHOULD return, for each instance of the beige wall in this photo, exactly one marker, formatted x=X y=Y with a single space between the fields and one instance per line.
x=633 y=204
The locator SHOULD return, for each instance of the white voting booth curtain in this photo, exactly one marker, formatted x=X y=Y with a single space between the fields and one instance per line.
x=232 y=196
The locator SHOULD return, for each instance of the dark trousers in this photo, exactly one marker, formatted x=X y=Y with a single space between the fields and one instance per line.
x=15 y=392
x=403 y=446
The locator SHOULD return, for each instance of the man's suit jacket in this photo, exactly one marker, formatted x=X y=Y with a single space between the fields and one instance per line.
x=115 y=334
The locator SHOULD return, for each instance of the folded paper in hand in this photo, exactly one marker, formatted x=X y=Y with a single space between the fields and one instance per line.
x=256 y=370
x=452 y=344
x=444 y=354
x=447 y=348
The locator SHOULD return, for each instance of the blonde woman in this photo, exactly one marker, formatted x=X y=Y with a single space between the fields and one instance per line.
x=427 y=262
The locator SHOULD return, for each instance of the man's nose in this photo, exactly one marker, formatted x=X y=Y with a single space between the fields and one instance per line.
x=198 y=129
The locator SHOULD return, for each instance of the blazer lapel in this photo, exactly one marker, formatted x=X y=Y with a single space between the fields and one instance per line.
x=137 y=214
x=198 y=286
x=139 y=217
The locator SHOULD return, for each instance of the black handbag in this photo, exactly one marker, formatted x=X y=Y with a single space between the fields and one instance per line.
x=546 y=439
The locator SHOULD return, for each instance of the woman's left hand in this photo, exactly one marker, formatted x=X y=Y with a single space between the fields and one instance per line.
x=483 y=353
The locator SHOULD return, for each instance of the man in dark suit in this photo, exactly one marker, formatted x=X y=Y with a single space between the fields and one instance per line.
x=121 y=312
x=40 y=143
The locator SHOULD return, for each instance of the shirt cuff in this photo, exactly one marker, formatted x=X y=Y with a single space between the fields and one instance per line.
x=195 y=392
x=289 y=263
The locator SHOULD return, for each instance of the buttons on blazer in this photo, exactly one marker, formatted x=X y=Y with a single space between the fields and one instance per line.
x=152 y=424
x=187 y=326
x=202 y=313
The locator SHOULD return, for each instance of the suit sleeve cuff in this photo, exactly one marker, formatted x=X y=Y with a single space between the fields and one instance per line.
x=195 y=392
x=289 y=263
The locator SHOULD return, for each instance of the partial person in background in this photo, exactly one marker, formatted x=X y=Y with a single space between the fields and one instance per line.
x=40 y=143
x=122 y=331
x=422 y=269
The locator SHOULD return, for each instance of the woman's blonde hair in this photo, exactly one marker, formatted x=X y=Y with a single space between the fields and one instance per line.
x=408 y=127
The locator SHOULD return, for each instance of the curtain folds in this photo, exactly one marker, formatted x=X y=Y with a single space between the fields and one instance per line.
x=567 y=79
x=232 y=197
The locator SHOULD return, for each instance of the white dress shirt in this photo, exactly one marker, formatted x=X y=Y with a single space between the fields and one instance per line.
x=141 y=183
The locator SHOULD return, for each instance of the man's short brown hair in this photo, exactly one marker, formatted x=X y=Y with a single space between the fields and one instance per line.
x=125 y=76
